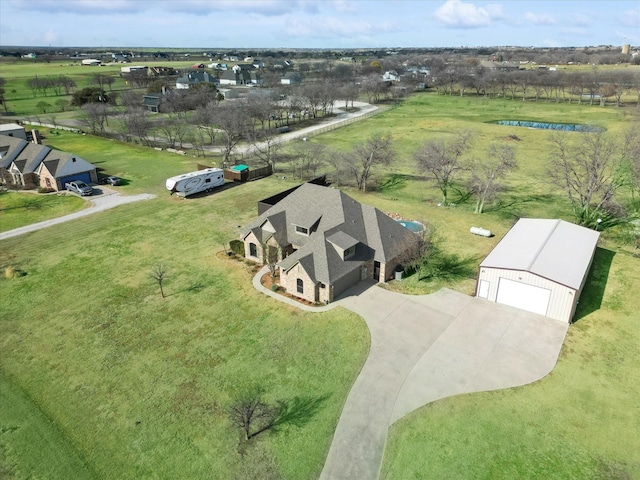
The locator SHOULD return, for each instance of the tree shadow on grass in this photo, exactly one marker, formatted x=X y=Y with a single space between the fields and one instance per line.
x=593 y=291
x=193 y=288
x=298 y=411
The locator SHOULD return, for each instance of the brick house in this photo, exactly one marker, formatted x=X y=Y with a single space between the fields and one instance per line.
x=25 y=163
x=325 y=242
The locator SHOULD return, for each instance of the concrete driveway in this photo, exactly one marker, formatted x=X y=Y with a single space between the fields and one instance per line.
x=424 y=348
x=102 y=199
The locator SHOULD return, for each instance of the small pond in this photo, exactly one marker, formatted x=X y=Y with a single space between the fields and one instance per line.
x=568 y=127
x=415 y=227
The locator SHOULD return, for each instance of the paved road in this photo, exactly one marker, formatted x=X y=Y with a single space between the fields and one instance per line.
x=428 y=347
x=104 y=198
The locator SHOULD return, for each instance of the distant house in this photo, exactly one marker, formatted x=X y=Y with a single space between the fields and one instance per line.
x=291 y=78
x=151 y=102
x=391 y=76
x=283 y=64
x=134 y=69
x=194 y=78
x=24 y=163
x=120 y=57
x=92 y=62
x=540 y=265
x=241 y=74
x=325 y=242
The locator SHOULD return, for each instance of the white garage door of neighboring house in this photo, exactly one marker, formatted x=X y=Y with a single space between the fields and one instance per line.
x=523 y=296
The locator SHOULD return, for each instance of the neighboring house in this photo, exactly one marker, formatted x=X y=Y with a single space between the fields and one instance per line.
x=325 y=242
x=25 y=163
x=541 y=266
x=152 y=102
x=291 y=78
x=13 y=130
x=92 y=62
x=141 y=69
x=241 y=74
x=283 y=64
x=391 y=76
x=193 y=78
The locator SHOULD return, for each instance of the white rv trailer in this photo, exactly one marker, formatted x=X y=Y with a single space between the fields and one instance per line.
x=195 y=182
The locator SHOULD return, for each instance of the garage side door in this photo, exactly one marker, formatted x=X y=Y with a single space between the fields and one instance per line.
x=85 y=177
x=523 y=296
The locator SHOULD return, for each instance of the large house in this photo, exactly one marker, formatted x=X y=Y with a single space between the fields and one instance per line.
x=194 y=78
x=241 y=74
x=24 y=163
x=325 y=242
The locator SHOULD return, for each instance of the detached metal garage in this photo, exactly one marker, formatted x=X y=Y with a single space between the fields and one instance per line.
x=540 y=266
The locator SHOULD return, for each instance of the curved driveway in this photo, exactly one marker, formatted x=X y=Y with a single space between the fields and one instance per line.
x=424 y=348
x=104 y=199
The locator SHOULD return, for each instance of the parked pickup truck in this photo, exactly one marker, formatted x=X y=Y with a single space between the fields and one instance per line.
x=79 y=187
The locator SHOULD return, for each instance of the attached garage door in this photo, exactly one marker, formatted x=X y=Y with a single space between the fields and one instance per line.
x=523 y=296
x=85 y=177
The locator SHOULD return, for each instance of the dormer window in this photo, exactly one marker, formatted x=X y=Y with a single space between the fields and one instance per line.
x=302 y=230
x=349 y=252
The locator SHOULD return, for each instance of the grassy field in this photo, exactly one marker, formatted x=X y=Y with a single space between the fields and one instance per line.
x=582 y=420
x=126 y=384
x=19 y=209
x=131 y=385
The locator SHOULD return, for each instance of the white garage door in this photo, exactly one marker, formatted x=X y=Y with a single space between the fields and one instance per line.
x=523 y=296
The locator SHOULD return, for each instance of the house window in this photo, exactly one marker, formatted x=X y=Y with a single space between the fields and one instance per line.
x=299 y=286
x=47 y=180
x=302 y=230
x=253 y=250
x=349 y=252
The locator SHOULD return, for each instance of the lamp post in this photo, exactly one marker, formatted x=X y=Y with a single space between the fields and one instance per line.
x=598 y=221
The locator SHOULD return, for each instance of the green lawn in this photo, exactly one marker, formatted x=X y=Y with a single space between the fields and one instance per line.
x=24 y=208
x=126 y=384
x=137 y=386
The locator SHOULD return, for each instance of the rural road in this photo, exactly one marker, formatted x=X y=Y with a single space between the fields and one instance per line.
x=103 y=200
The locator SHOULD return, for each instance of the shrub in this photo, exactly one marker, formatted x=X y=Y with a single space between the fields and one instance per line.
x=45 y=190
x=13 y=272
x=237 y=247
x=274 y=287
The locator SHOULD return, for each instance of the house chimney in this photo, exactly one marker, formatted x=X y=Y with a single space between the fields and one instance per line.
x=73 y=159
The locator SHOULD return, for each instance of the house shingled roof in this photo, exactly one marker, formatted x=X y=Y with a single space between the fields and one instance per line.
x=337 y=219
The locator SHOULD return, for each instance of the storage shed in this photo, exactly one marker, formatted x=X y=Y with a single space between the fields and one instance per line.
x=540 y=265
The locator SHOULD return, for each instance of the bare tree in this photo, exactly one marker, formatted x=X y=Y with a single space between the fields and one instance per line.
x=136 y=123
x=378 y=150
x=159 y=274
x=3 y=99
x=95 y=116
x=588 y=171
x=264 y=146
x=251 y=414
x=500 y=159
x=232 y=121
x=205 y=118
x=310 y=156
x=442 y=160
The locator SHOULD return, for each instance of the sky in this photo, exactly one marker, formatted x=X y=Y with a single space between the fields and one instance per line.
x=228 y=24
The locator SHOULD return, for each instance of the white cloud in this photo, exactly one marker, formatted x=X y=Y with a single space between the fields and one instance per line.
x=458 y=14
x=540 y=18
x=631 y=18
